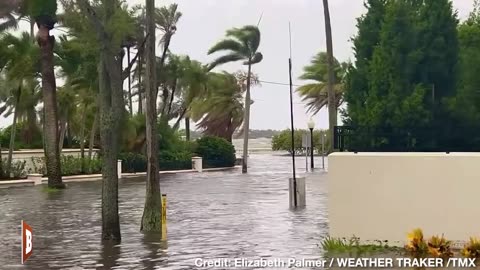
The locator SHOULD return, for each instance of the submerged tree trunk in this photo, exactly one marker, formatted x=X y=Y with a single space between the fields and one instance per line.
x=332 y=108
x=13 y=130
x=111 y=111
x=246 y=123
x=49 y=90
x=152 y=213
x=82 y=138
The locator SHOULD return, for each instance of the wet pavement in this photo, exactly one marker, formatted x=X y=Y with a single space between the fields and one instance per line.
x=210 y=215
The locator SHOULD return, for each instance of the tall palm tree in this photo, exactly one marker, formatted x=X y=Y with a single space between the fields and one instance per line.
x=316 y=94
x=19 y=62
x=332 y=108
x=241 y=45
x=166 y=19
x=44 y=13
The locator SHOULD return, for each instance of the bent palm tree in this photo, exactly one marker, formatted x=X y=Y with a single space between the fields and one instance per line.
x=316 y=94
x=241 y=44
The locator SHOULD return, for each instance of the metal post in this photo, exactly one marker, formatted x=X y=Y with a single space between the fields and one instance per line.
x=311 y=149
x=323 y=151
x=306 y=159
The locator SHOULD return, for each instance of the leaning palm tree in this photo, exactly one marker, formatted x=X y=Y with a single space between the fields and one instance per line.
x=241 y=44
x=315 y=94
x=221 y=111
x=166 y=19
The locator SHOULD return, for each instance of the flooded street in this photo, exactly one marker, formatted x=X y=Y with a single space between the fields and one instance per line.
x=210 y=215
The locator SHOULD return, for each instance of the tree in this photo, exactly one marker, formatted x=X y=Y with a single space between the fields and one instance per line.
x=19 y=63
x=332 y=104
x=283 y=141
x=44 y=14
x=356 y=83
x=152 y=213
x=221 y=111
x=241 y=45
x=112 y=103
x=316 y=94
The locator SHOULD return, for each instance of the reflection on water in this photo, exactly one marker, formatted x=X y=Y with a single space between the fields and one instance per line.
x=210 y=215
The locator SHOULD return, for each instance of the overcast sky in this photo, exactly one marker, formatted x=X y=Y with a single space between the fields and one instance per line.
x=205 y=21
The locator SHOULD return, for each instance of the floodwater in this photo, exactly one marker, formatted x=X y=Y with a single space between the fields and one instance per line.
x=210 y=216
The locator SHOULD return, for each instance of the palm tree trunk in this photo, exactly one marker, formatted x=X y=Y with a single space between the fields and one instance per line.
x=93 y=131
x=140 y=95
x=63 y=129
x=246 y=123
x=13 y=130
x=82 y=139
x=187 y=128
x=130 y=102
x=152 y=213
x=49 y=89
x=332 y=108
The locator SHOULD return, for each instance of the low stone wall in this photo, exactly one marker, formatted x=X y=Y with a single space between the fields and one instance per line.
x=383 y=196
x=28 y=154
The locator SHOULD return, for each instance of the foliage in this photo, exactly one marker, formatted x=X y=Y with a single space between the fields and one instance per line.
x=216 y=152
x=472 y=248
x=416 y=245
x=283 y=141
x=175 y=160
x=133 y=162
x=353 y=246
x=17 y=170
x=405 y=73
x=439 y=247
x=21 y=141
x=316 y=94
x=71 y=165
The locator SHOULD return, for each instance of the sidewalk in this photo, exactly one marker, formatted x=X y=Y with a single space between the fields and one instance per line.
x=33 y=180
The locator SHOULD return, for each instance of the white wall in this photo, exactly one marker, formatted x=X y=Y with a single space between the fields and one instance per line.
x=383 y=196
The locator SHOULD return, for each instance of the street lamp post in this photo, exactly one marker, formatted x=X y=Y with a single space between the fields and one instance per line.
x=311 y=126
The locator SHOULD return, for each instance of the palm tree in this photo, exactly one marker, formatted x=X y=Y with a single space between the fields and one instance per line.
x=19 y=63
x=332 y=108
x=241 y=44
x=316 y=94
x=221 y=111
x=166 y=19
x=44 y=14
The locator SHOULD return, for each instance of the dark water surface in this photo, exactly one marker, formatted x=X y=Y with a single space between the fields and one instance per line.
x=210 y=215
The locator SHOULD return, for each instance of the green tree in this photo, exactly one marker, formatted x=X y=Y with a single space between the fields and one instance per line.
x=283 y=141
x=241 y=45
x=316 y=94
x=356 y=83
x=19 y=64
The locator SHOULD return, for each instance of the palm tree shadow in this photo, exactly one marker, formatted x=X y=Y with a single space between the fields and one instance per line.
x=157 y=255
x=109 y=255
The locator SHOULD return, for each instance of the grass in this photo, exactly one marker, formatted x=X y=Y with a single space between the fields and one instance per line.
x=353 y=246
x=47 y=189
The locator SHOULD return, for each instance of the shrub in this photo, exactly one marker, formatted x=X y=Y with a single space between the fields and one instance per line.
x=71 y=165
x=416 y=245
x=283 y=141
x=175 y=160
x=472 y=248
x=216 y=152
x=133 y=163
x=439 y=247
x=17 y=170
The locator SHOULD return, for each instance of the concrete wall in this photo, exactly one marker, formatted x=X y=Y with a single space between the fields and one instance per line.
x=383 y=196
x=27 y=155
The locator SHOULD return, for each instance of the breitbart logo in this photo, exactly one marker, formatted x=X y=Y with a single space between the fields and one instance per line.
x=27 y=241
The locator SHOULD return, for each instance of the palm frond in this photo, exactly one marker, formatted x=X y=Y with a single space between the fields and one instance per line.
x=225 y=59
x=227 y=45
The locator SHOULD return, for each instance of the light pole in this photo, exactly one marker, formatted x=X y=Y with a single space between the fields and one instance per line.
x=311 y=126
x=323 y=150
